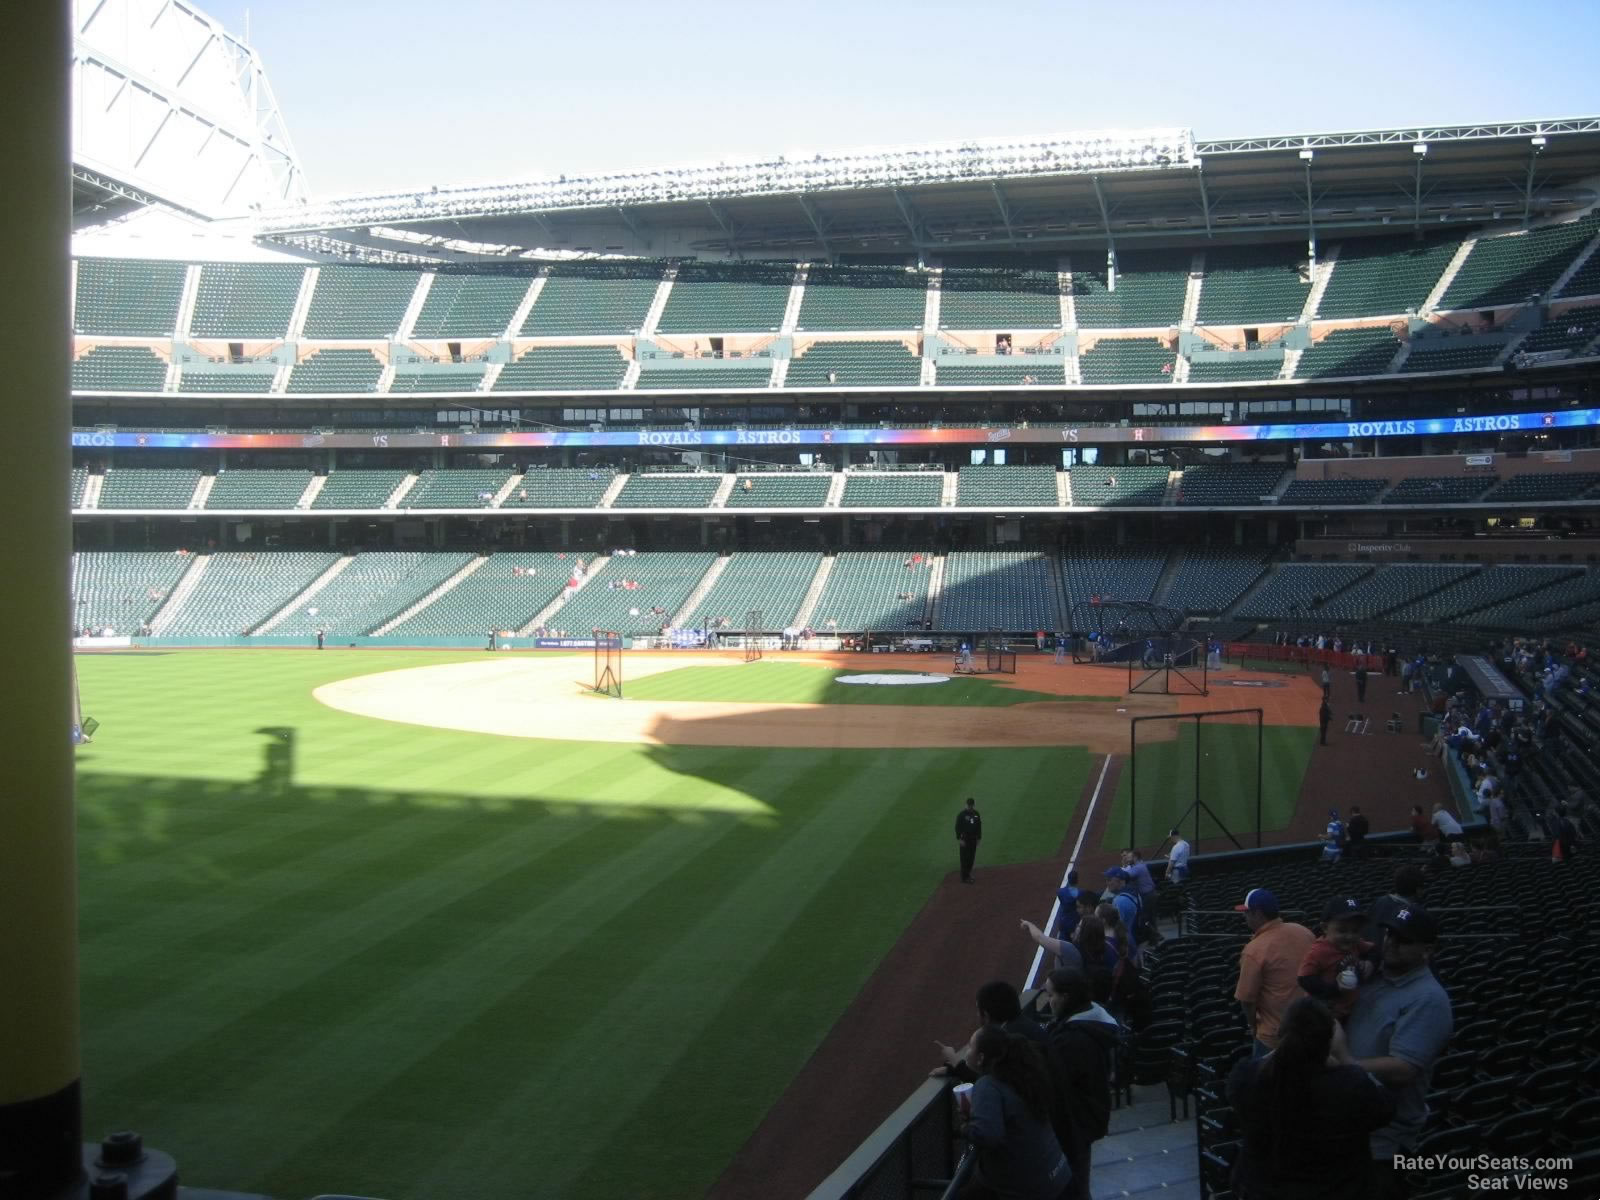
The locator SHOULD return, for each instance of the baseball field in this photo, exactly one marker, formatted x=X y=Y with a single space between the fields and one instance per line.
x=389 y=921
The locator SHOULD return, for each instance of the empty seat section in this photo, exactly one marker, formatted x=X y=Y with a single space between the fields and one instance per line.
x=1521 y=611
x=337 y=371
x=459 y=487
x=245 y=300
x=1235 y=483
x=1429 y=489
x=664 y=582
x=706 y=298
x=248 y=488
x=1299 y=589
x=1111 y=572
x=999 y=370
x=1510 y=268
x=120 y=590
x=1209 y=580
x=1149 y=291
x=1540 y=486
x=242 y=589
x=997 y=589
x=1429 y=356
x=1247 y=284
x=560 y=487
x=359 y=302
x=1348 y=352
x=358 y=489
x=667 y=491
x=773 y=583
x=874 y=589
x=466 y=377
x=80 y=482
x=1571 y=330
x=148 y=487
x=477 y=306
x=117 y=369
x=593 y=298
x=855 y=364
x=1585 y=280
x=1127 y=360
x=129 y=297
x=1333 y=491
x=892 y=490
x=1384 y=276
x=1001 y=293
x=1390 y=587
x=1237 y=368
x=754 y=373
x=1482 y=589
x=199 y=379
x=503 y=595
x=780 y=489
x=1117 y=487
x=851 y=298
x=376 y=587
x=564 y=369
x=990 y=486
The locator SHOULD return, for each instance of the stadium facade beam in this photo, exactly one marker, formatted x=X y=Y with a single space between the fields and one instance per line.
x=1111 y=240
x=634 y=227
x=913 y=220
x=1005 y=211
x=726 y=224
x=816 y=223
x=1535 y=148
x=1395 y=137
x=1205 y=198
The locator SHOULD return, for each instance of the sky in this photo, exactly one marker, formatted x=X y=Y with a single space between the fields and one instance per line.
x=410 y=94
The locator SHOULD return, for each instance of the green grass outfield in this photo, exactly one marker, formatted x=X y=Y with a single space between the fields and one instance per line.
x=799 y=683
x=327 y=953
x=1227 y=771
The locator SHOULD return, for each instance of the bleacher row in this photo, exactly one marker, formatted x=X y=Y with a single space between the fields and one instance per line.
x=1237 y=287
x=1018 y=590
x=1019 y=486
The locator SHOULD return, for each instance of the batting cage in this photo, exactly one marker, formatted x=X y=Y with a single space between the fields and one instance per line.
x=1146 y=638
x=753 y=629
x=999 y=658
x=1202 y=774
x=608 y=662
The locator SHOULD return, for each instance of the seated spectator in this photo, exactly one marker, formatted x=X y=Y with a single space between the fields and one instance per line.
x=1306 y=1112
x=1008 y=1124
x=1459 y=855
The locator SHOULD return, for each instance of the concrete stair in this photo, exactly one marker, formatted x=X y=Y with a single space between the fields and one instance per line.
x=447 y=586
x=313 y=489
x=1064 y=489
x=406 y=484
x=610 y=498
x=930 y=305
x=1291 y=363
x=935 y=591
x=719 y=498
x=835 y=489
x=92 y=487
x=1319 y=285
x=542 y=617
x=302 y=303
x=808 y=606
x=202 y=491
x=1191 y=291
x=186 y=300
x=791 y=308
x=408 y=321
x=295 y=605
x=701 y=590
x=1451 y=270
x=528 y=299
x=505 y=490
x=658 y=304
x=950 y=490
x=1574 y=266
x=179 y=595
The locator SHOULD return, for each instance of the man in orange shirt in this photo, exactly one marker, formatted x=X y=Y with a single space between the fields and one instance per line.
x=1269 y=967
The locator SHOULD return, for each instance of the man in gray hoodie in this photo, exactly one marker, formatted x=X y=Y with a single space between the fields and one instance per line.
x=1081 y=1053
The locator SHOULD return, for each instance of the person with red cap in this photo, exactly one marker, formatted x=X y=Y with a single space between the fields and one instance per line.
x=1269 y=967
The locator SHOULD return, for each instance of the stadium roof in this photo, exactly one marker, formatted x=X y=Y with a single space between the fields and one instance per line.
x=1128 y=188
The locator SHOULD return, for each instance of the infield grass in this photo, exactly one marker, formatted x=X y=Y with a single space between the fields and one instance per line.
x=326 y=953
x=800 y=683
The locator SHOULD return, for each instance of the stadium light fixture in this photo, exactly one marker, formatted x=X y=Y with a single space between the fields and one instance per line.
x=1419 y=148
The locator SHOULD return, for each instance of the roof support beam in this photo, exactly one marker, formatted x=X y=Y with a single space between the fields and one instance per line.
x=1005 y=211
x=1111 y=241
x=724 y=223
x=1535 y=148
x=816 y=223
x=632 y=223
x=913 y=220
x=1205 y=199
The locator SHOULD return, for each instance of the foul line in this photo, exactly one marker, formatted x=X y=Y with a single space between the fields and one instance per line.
x=1072 y=862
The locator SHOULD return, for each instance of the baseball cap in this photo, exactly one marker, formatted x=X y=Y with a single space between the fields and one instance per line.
x=1258 y=900
x=1413 y=922
x=1343 y=906
x=1121 y=873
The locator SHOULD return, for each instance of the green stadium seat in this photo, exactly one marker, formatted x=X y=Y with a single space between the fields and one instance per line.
x=855 y=364
x=148 y=487
x=358 y=489
x=118 y=369
x=1483 y=589
x=773 y=583
x=741 y=373
x=1429 y=355
x=458 y=487
x=560 y=487
x=874 y=590
x=246 y=300
x=471 y=305
x=1231 y=484
x=1000 y=293
x=504 y=594
x=1151 y=285
x=665 y=582
x=127 y=297
x=1511 y=267
x=121 y=590
x=1246 y=285
x=460 y=377
x=1000 y=370
x=1585 y=280
x=337 y=371
x=240 y=590
x=249 y=488
x=80 y=483
x=1209 y=580
x=593 y=298
x=1523 y=612
x=1387 y=276
x=359 y=302
x=222 y=379
x=1570 y=330
x=892 y=490
x=376 y=587
x=848 y=298
x=780 y=489
x=564 y=369
x=1117 y=487
x=667 y=491
x=1348 y=352
x=1430 y=489
x=1111 y=573
x=1332 y=491
x=996 y=486
x=1390 y=587
x=1541 y=487
x=710 y=298
x=997 y=589
x=1237 y=368
x=1300 y=590
x=1127 y=360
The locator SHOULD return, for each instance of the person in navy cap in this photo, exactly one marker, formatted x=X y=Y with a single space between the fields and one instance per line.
x=1269 y=967
x=1339 y=961
x=1126 y=901
x=1401 y=1024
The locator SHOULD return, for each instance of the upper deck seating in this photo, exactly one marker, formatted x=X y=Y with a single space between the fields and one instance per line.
x=1509 y=268
x=1333 y=491
x=458 y=487
x=780 y=489
x=358 y=489
x=121 y=590
x=1149 y=292
x=359 y=302
x=1542 y=486
x=848 y=298
x=855 y=364
x=1244 y=285
x=1431 y=489
x=997 y=589
x=994 y=486
x=1127 y=486
x=252 y=488
x=1233 y=483
x=337 y=371
x=471 y=305
x=667 y=491
x=241 y=589
x=564 y=369
x=1240 y=368
x=708 y=298
x=1432 y=356
x=119 y=369
x=582 y=298
x=1127 y=360
x=199 y=379
x=1000 y=292
x=746 y=373
x=875 y=590
x=1384 y=276
x=1571 y=330
x=560 y=487
x=892 y=490
x=127 y=297
x=148 y=487
x=1023 y=370
x=772 y=583
x=245 y=300
x=462 y=377
x=1349 y=352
